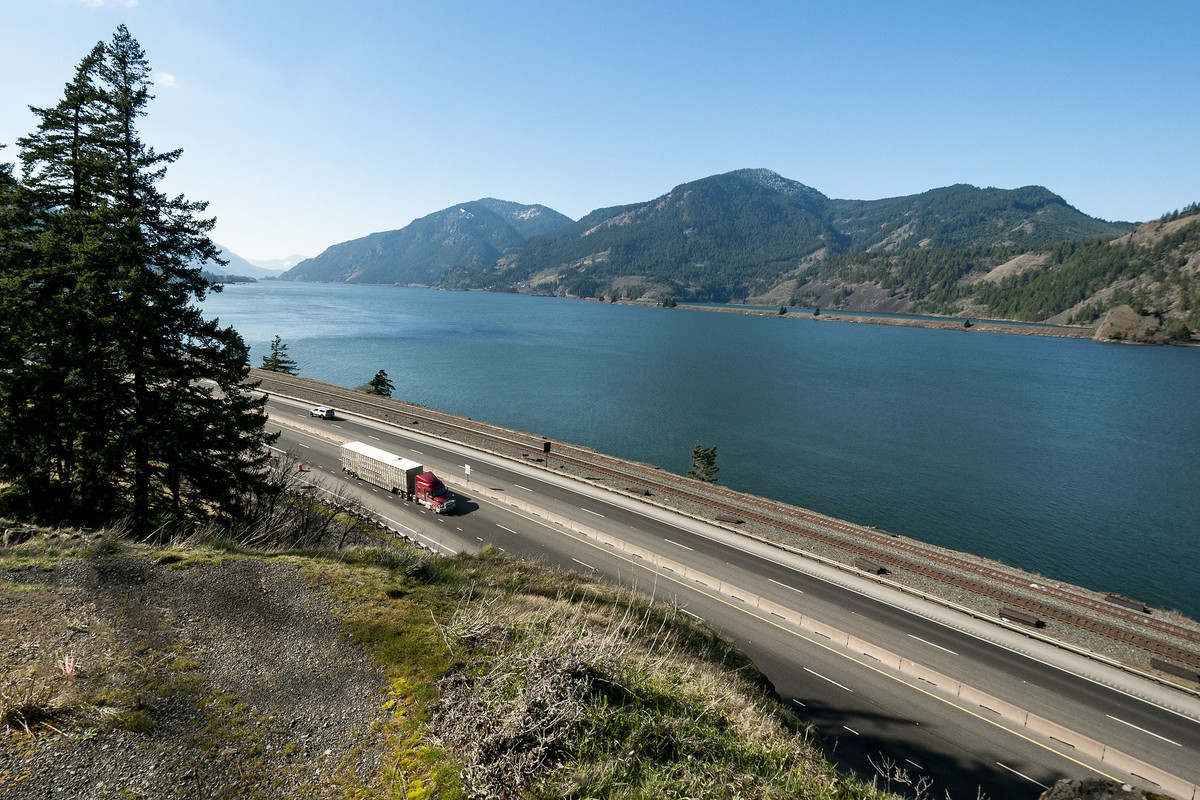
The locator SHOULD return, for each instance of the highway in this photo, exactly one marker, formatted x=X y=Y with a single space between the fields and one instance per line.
x=868 y=712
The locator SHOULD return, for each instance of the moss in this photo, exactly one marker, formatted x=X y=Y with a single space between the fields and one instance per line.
x=134 y=721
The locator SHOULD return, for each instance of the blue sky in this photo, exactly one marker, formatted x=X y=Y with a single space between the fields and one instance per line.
x=305 y=124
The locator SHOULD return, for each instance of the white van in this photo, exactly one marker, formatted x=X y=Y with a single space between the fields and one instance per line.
x=321 y=411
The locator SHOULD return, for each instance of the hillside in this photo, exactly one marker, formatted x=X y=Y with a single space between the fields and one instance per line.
x=1155 y=270
x=753 y=233
x=215 y=670
x=469 y=235
x=752 y=236
x=965 y=216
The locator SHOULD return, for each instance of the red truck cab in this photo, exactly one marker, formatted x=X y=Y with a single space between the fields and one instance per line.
x=432 y=493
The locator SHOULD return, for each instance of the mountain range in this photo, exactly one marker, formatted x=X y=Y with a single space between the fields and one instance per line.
x=753 y=236
x=741 y=235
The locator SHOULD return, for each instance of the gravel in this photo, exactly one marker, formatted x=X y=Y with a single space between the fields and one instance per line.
x=251 y=685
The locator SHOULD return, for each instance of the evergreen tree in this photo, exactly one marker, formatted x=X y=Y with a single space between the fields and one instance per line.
x=277 y=360
x=141 y=398
x=54 y=437
x=381 y=385
x=704 y=464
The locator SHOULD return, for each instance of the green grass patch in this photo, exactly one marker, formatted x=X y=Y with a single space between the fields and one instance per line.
x=513 y=679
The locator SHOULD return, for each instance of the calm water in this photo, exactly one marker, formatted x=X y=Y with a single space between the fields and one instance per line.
x=1074 y=459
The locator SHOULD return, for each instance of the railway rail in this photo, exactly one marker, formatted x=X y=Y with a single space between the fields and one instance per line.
x=897 y=554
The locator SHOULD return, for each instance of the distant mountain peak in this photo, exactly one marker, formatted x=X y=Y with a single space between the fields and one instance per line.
x=463 y=236
x=767 y=178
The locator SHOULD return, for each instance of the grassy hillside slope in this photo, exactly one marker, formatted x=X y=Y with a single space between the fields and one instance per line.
x=212 y=670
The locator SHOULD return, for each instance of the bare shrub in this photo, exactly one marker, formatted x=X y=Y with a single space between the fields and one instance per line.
x=301 y=510
x=897 y=779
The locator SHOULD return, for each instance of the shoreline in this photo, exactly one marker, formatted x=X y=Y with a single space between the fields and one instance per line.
x=1016 y=328
x=944 y=323
x=934 y=323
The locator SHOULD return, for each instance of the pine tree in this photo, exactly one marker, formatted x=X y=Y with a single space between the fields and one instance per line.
x=381 y=384
x=141 y=394
x=704 y=464
x=277 y=360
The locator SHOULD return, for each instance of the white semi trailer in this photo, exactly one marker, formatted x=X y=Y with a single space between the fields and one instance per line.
x=397 y=475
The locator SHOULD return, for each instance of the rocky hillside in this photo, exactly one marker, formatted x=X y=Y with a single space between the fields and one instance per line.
x=1153 y=270
x=469 y=235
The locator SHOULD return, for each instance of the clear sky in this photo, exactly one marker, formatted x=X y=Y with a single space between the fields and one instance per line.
x=305 y=124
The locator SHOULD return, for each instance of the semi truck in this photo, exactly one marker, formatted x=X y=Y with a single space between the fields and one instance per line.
x=398 y=475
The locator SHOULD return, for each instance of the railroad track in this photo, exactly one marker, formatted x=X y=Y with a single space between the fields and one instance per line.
x=880 y=547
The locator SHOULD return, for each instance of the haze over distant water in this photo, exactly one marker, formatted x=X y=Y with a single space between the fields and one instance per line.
x=1071 y=458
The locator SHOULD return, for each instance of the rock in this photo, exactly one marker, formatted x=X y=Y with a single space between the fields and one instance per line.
x=1123 y=324
x=1094 y=789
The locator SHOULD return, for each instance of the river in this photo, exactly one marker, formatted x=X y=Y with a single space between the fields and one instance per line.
x=1074 y=459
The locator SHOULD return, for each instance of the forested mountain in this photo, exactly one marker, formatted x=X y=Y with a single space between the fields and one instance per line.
x=470 y=235
x=714 y=239
x=754 y=236
x=753 y=233
x=966 y=216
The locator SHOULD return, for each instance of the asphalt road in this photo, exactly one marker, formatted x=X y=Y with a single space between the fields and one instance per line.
x=868 y=715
